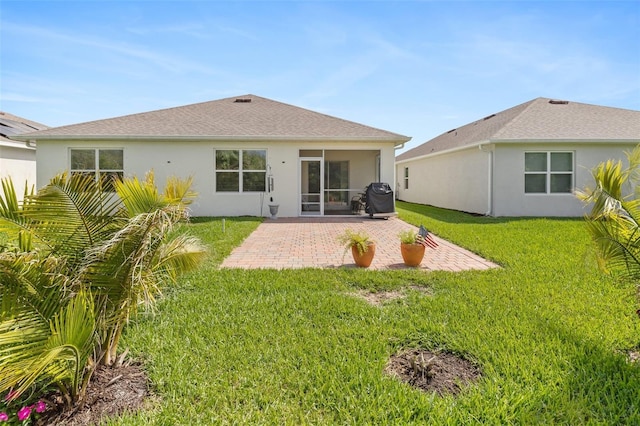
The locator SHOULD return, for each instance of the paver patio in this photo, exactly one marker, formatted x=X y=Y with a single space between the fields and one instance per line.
x=289 y=243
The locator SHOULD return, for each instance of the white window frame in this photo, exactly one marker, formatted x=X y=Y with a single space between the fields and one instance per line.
x=548 y=172
x=406 y=178
x=96 y=170
x=240 y=171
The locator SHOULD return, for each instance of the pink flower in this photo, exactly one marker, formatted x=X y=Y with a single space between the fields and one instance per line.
x=40 y=406
x=4 y=417
x=24 y=413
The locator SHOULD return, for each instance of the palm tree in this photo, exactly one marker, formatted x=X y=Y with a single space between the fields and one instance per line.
x=615 y=215
x=128 y=269
x=79 y=263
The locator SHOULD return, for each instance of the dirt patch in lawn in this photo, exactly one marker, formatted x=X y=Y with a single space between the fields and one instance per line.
x=441 y=372
x=111 y=392
x=381 y=297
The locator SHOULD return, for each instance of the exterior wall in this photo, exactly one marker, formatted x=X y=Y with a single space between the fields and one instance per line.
x=509 y=197
x=457 y=180
x=182 y=159
x=20 y=165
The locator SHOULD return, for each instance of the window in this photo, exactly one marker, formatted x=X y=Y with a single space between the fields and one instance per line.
x=406 y=178
x=548 y=172
x=241 y=170
x=105 y=163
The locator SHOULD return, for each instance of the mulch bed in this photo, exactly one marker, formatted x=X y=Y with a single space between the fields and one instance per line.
x=111 y=392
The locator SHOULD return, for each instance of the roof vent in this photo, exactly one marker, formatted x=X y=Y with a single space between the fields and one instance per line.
x=242 y=100
x=489 y=116
x=452 y=130
x=557 y=102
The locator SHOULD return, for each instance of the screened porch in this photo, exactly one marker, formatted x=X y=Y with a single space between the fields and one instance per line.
x=331 y=179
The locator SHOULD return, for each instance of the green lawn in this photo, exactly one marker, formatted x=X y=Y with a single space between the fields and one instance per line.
x=294 y=347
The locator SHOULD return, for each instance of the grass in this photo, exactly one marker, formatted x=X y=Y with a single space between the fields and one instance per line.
x=294 y=347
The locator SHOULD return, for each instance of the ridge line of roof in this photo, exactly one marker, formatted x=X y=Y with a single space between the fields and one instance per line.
x=328 y=115
x=515 y=118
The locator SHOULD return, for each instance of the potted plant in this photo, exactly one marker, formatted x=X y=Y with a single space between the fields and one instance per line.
x=362 y=247
x=273 y=208
x=413 y=245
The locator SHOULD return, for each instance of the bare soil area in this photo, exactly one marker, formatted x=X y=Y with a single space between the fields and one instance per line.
x=440 y=372
x=381 y=297
x=111 y=392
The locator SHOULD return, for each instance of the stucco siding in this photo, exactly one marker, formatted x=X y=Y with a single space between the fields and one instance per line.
x=20 y=165
x=509 y=195
x=458 y=181
x=196 y=158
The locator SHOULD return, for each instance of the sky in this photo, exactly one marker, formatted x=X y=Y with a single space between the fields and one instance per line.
x=418 y=68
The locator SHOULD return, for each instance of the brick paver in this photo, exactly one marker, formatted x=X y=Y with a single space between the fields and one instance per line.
x=289 y=243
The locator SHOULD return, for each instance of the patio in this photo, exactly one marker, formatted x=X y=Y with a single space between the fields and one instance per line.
x=290 y=243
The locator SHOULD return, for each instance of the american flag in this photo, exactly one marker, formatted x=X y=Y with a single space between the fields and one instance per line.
x=425 y=238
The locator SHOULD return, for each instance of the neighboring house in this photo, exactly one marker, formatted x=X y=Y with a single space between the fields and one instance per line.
x=525 y=161
x=243 y=152
x=18 y=158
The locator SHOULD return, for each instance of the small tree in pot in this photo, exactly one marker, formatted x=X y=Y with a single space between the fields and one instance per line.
x=413 y=245
x=362 y=247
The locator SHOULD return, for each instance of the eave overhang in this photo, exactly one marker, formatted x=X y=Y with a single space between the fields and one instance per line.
x=520 y=141
x=205 y=138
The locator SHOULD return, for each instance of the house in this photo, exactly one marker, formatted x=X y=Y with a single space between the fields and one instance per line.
x=17 y=158
x=244 y=153
x=524 y=161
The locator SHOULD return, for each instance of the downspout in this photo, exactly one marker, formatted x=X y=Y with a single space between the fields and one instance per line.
x=395 y=174
x=489 y=150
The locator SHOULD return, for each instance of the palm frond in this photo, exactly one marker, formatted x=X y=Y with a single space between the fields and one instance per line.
x=123 y=269
x=142 y=196
x=614 y=222
x=32 y=284
x=618 y=246
x=58 y=355
x=12 y=221
x=139 y=196
x=179 y=255
x=179 y=190
x=71 y=213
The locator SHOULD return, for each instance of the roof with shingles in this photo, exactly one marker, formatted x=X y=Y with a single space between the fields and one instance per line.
x=239 y=117
x=540 y=119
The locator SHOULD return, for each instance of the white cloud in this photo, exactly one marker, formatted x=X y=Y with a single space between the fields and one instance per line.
x=97 y=46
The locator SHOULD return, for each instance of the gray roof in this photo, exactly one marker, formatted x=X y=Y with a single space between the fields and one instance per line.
x=542 y=120
x=245 y=117
x=12 y=125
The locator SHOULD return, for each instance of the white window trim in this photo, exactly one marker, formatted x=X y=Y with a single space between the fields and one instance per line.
x=96 y=169
x=548 y=173
x=240 y=171
x=406 y=177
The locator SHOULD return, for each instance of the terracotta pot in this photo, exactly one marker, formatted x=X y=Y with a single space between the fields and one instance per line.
x=363 y=260
x=412 y=254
